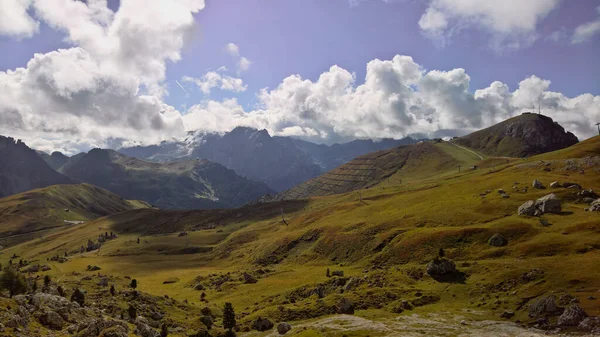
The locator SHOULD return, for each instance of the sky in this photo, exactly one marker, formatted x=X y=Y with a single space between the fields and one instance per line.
x=81 y=74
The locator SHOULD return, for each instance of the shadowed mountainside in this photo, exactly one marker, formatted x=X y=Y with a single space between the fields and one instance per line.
x=522 y=136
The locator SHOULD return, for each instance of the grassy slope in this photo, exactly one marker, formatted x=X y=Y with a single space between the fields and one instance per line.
x=399 y=229
x=46 y=208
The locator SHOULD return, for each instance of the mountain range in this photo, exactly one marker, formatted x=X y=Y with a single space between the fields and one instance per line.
x=279 y=162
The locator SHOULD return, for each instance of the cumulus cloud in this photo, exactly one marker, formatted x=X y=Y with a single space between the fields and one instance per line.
x=511 y=23
x=242 y=63
x=109 y=85
x=587 y=30
x=15 y=20
x=398 y=98
x=213 y=79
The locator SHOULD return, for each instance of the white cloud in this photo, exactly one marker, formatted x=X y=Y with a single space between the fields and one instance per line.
x=242 y=62
x=587 y=30
x=15 y=20
x=213 y=79
x=109 y=85
x=398 y=98
x=511 y=23
x=232 y=49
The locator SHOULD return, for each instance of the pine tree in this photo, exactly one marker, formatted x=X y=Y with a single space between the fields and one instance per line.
x=228 y=317
x=133 y=284
x=132 y=311
x=112 y=290
x=13 y=281
x=164 y=330
x=79 y=297
x=441 y=253
x=47 y=281
x=328 y=274
x=61 y=291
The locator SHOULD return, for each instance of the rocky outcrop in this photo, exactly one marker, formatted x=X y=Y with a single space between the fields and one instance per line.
x=440 y=266
x=572 y=316
x=544 y=306
x=590 y=324
x=143 y=328
x=537 y=184
x=546 y=204
x=344 y=306
x=262 y=324
x=497 y=240
x=283 y=328
x=594 y=206
x=52 y=320
x=249 y=279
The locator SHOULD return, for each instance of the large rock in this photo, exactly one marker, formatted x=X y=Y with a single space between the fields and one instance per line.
x=102 y=327
x=249 y=279
x=591 y=324
x=594 y=206
x=440 y=266
x=544 y=306
x=344 y=306
x=283 y=328
x=262 y=324
x=114 y=331
x=52 y=320
x=528 y=208
x=555 y=184
x=144 y=329
x=537 y=184
x=497 y=240
x=572 y=316
x=548 y=204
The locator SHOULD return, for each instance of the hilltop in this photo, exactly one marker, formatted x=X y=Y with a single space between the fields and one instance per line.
x=279 y=162
x=522 y=136
x=21 y=169
x=51 y=207
x=174 y=185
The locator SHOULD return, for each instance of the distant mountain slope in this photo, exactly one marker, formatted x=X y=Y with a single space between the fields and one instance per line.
x=49 y=207
x=55 y=160
x=522 y=136
x=21 y=169
x=370 y=169
x=174 y=185
x=280 y=162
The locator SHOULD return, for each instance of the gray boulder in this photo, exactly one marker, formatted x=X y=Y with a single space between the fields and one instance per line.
x=497 y=240
x=283 y=328
x=572 y=316
x=144 y=329
x=439 y=267
x=555 y=184
x=52 y=320
x=537 y=184
x=262 y=324
x=594 y=206
x=344 y=306
x=544 y=306
x=591 y=324
x=528 y=208
x=548 y=204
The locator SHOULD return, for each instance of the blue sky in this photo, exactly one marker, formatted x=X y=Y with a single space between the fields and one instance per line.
x=516 y=54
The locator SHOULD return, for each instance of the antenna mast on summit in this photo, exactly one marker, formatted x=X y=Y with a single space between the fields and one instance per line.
x=598 y=125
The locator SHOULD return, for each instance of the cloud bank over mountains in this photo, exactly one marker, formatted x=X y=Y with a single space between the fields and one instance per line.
x=108 y=88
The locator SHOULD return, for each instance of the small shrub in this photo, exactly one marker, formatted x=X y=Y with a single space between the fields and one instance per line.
x=78 y=296
x=133 y=284
x=13 y=281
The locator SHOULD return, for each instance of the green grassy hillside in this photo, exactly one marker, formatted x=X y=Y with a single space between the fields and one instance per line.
x=381 y=244
x=30 y=213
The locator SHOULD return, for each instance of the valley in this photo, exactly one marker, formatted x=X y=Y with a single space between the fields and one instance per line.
x=379 y=242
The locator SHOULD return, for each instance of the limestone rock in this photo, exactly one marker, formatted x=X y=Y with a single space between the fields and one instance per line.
x=497 y=240
x=144 y=329
x=537 y=184
x=543 y=306
x=439 y=267
x=528 y=208
x=572 y=316
x=591 y=324
x=508 y=314
x=555 y=184
x=594 y=206
x=249 y=279
x=262 y=324
x=344 y=306
x=548 y=204
x=52 y=320
x=283 y=328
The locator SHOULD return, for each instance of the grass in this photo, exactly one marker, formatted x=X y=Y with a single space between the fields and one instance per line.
x=387 y=240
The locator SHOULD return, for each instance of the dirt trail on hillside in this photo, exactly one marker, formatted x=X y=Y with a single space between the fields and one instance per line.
x=414 y=325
